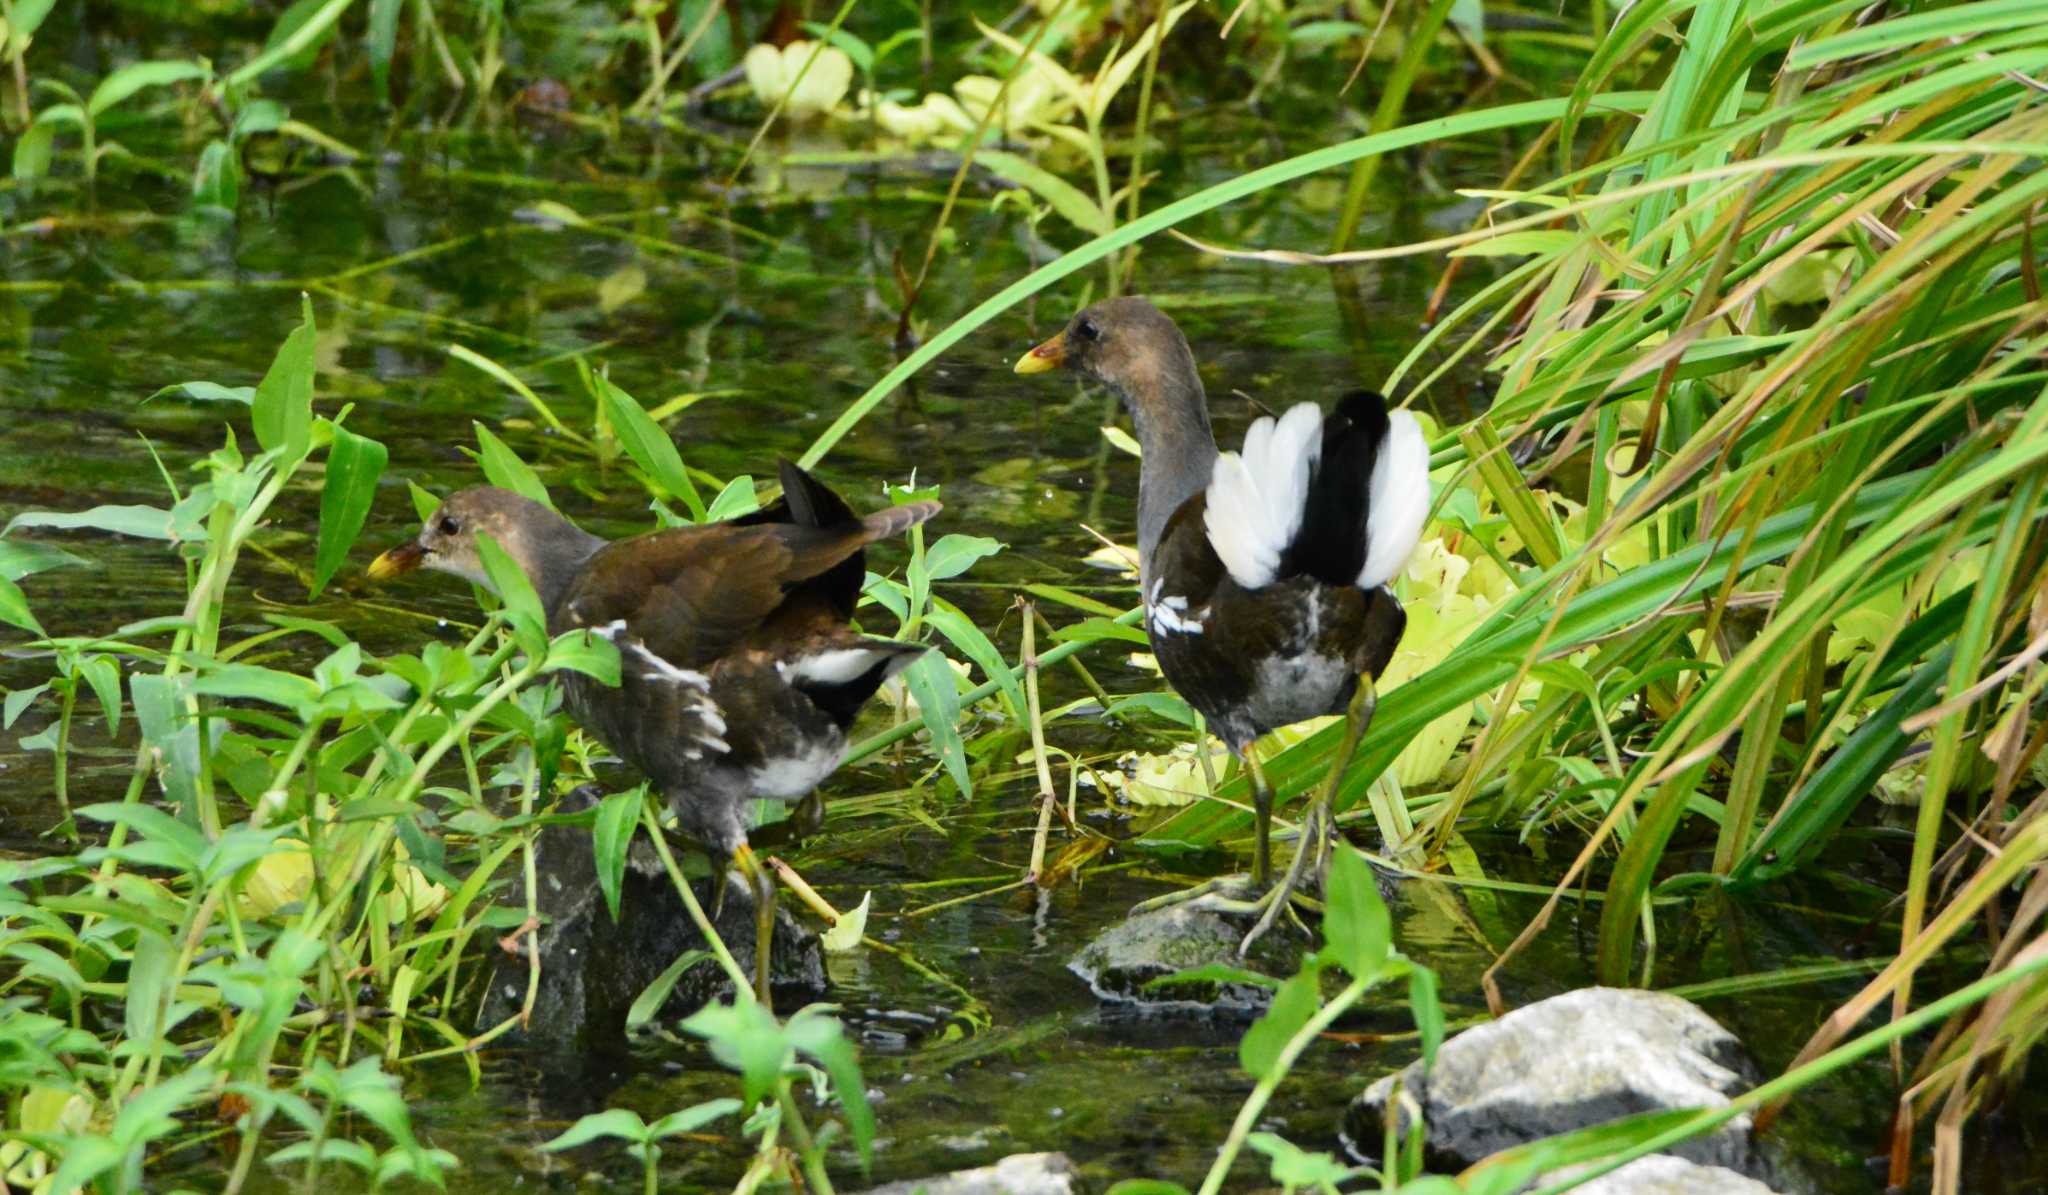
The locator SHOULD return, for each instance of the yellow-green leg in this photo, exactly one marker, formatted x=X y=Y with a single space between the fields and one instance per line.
x=763 y=883
x=1262 y=817
x=1318 y=823
x=1229 y=893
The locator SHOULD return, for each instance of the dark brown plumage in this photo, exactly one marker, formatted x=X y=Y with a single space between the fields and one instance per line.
x=739 y=672
x=1264 y=573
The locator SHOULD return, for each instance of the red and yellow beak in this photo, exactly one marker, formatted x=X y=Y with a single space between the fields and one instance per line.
x=402 y=559
x=1050 y=355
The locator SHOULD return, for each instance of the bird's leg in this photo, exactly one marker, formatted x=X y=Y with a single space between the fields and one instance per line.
x=1228 y=894
x=1262 y=817
x=763 y=884
x=1318 y=821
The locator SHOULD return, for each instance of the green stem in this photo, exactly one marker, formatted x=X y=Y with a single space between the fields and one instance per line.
x=806 y=1147
x=1384 y=117
x=742 y=983
x=1255 y=1103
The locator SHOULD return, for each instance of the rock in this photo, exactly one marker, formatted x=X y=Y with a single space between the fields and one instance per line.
x=1122 y=959
x=1018 y=1174
x=1663 y=1174
x=592 y=969
x=1579 y=1059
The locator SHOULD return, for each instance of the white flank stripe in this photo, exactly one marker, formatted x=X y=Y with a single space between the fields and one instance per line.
x=835 y=667
x=1400 y=500
x=1256 y=496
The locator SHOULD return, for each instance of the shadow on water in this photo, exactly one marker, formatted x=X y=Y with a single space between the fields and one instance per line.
x=777 y=310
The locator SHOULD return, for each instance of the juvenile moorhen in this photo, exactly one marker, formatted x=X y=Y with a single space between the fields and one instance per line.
x=1264 y=573
x=739 y=673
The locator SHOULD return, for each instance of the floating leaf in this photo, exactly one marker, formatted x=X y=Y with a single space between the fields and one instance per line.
x=852 y=926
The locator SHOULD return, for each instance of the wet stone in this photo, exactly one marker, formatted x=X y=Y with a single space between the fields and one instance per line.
x=592 y=968
x=1018 y=1174
x=1121 y=964
x=1575 y=1060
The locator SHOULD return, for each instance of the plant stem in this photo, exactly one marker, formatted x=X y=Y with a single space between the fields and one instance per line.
x=806 y=1147
x=1255 y=1103
x=743 y=984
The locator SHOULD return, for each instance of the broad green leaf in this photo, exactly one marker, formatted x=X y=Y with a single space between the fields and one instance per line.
x=503 y=468
x=1470 y=18
x=282 y=409
x=1427 y=1010
x=586 y=652
x=1295 y=1168
x=818 y=1034
x=736 y=499
x=744 y=1037
x=207 y=392
x=259 y=116
x=938 y=701
x=854 y=48
x=382 y=40
x=1062 y=196
x=1355 y=923
x=623 y=1123
x=650 y=1000
x=851 y=927
x=142 y=522
x=14 y=608
x=522 y=604
x=290 y=21
x=217 y=179
x=961 y=632
x=1258 y=1052
x=611 y=838
x=649 y=445
x=28 y=16
x=135 y=77
x=32 y=150
x=354 y=463
x=690 y=1119
x=955 y=554
x=104 y=675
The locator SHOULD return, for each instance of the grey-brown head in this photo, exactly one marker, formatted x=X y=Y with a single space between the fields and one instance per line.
x=544 y=544
x=1133 y=348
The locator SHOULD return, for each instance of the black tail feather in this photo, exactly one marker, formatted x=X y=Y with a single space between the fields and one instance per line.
x=807 y=502
x=1331 y=545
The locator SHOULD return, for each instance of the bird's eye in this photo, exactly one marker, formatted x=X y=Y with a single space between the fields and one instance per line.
x=1085 y=329
x=449 y=526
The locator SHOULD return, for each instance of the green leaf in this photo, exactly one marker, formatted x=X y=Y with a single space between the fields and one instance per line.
x=815 y=1032
x=1063 y=197
x=744 y=1037
x=33 y=149
x=28 y=16
x=846 y=933
x=142 y=522
x=207 y=392
x=259 y=116
x=135 y=77
x=14 y=608
x=1355 y=922
x=1470 y=18
x=961 y=632
x=690 y=1119
x=955 y=554
x=649 y=445
x=503 y=468
x=1427 y=1010
x=289 y=22
x=938 y=702
x=354 y=463
x=1295 y=1167
x=856 y=49
x=383 y=43
x=217 y=180
x=104 y=675
x=650 y=1000
x=522 y=604
x=151 y=824
x=282 y=409
x=623 y=1123
x=587 y=652
x=736 y=499
x=18 y=700
x=611 y=838
x=1259 y=1050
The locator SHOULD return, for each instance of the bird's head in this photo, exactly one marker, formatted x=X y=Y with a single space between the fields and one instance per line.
x=1128 y=345
x=448 y=541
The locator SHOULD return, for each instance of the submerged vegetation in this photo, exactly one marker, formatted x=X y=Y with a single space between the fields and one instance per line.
x=1739 y=575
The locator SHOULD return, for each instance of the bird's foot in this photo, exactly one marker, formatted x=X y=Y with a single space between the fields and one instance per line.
x=1224 y=894
x=1306 y=869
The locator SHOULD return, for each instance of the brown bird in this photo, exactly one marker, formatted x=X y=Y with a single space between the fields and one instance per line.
x=739 y=672
x=1263 y=572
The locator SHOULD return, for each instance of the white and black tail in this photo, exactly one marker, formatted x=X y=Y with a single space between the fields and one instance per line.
x=1367 y=496
x=840 y=677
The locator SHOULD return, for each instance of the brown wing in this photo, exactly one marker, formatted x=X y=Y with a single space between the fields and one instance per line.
x=693 y=594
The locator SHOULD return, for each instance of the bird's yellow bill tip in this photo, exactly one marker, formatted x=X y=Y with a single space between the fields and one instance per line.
x=1050 y=355
x=399 y=560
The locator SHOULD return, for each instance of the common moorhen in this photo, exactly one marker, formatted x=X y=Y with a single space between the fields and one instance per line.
x=739 y=673
x=1264 y=573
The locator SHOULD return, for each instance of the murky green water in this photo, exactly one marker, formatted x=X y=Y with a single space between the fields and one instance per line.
x=780 y=306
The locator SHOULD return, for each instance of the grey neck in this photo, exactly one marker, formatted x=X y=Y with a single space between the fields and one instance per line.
x=1180 y=451
x=559 y=549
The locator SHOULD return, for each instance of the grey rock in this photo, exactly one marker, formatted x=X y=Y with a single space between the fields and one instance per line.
x=1123 y=959
x=1662 y=1174
x=1579 y=1059
x=1018 y=1174
x=592 y=968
